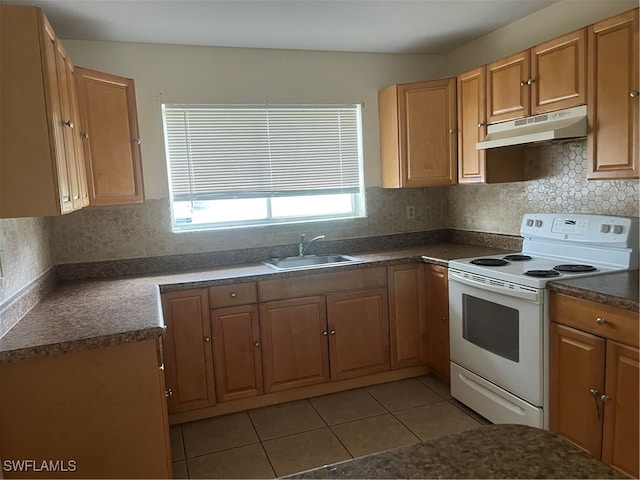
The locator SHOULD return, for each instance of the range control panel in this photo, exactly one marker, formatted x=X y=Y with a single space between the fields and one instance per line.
x=583 y=228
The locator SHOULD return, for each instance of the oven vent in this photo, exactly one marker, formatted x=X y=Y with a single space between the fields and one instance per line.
x=496 y=283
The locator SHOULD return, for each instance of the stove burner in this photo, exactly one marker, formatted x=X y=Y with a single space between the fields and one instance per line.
x=517 y=257
x=490 y=262
x=541 y=273
x=574 y=268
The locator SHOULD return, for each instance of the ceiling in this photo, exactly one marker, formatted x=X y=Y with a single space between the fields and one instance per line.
x=385 y=26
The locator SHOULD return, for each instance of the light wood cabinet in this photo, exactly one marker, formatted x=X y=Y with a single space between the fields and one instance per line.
x=103 y=408
x=438 y=358
x=41 y=170
x=481 y=166
x=294 y=342
x=612 y=139
x=187 y=350
x=593 y=379
x=550 y=76
x=111 y=140
x=237 y=355
x=407 y=315
x=418 y=134
x=358 y=333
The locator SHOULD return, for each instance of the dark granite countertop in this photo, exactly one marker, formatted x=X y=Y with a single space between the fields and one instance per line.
x=492 y=451
x=619 y=289
x=85 y=314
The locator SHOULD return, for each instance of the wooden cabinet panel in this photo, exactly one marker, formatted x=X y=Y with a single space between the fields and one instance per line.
x=507 y=96
x=577 y=368
x=558 y=72
x=231 y=295
x=438 y=357
x=612 y=140
x=236 y=352
x=294 y=343
x=358 y=333
x=620 y=432
x=111 y=138
x=187 y=350
x=417 y=134
x=407 y=315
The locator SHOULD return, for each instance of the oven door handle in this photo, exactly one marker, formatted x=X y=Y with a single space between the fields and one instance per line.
x=512 y=291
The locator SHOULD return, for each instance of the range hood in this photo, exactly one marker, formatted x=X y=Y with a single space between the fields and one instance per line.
x=569 y=123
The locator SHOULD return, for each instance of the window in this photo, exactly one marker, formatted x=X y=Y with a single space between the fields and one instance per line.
x=257 y=165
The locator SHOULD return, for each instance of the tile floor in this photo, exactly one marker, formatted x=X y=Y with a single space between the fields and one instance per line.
x=292 y=437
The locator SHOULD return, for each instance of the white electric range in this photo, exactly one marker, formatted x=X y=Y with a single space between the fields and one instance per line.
x=498 y=309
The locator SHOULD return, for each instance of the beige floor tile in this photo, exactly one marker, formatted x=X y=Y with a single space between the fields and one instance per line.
x=249 y=461
x=285 y=419
x=218 y=433
x=471 y=413
x=434 y=383
x=304 y=451
x=177 y=445
x=436 y=420
x=374 y=434
x=403 y=394
x=346 y=406
x=180 y=469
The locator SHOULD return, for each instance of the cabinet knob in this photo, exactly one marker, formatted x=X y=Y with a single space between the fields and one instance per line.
x=333 y=332
x=233 y=294
x=257 y=344
x=69 y=124
x=168 y=393
x=137 y=141
x=523 y=83
x=530 y=81
x=207 y=339
x=634 y=94
x=452 y=130
x=84 y=135
x=444 y=319
x=325 y=333
x=480 y=124
x=601 y=320
x=604 y=398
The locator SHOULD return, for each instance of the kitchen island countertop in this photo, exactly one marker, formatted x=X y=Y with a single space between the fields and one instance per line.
x=492 y=451
x=84 y=314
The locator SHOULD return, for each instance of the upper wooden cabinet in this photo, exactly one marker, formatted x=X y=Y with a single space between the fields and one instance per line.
x=612 y=140
x=41 y=165
x=481 y=166
x=550 y=76
x=418 y=134
x=110 y=137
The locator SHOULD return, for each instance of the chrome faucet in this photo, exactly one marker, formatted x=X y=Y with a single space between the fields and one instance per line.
x=303 y=247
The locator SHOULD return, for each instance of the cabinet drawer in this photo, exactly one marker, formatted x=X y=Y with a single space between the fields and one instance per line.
x=231 y=295
x=619 y=324
x=321 y=284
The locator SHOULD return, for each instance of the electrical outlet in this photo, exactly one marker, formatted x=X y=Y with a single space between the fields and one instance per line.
x=411 y=212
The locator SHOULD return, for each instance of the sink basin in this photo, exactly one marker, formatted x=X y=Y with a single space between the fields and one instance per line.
x=310 y=261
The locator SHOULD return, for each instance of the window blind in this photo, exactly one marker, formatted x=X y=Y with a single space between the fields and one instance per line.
x=219 y=152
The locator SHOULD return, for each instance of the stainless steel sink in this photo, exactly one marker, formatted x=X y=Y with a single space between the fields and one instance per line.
x=310 y=261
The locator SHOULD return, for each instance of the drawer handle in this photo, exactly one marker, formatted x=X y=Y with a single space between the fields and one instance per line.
x=233 y=294
x=594 y=394
x=601 y=320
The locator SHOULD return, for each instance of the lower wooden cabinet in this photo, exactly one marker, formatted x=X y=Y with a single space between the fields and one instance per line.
x=237 y=357
x=438 y=358
x=358 y=333
x=593 y=380
x=407 y=315
x=294 y=343
x=187 y=350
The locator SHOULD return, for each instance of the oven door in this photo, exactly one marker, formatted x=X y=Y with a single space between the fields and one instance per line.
x=496 y=332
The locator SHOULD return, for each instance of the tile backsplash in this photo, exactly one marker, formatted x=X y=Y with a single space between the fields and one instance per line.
x=559 y=184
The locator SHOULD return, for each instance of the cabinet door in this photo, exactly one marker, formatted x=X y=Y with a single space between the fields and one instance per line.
x=620 y=445
x=472 y=125
x=407 y=315
x=558 y=73
x=507 y=88
x=111 y=138
x=438 y=321
x=187 y=350
x=576 y=382
x=612 y=140
x=428 y=133
x=358 y=333
x=236 y=352
x=293 y=335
